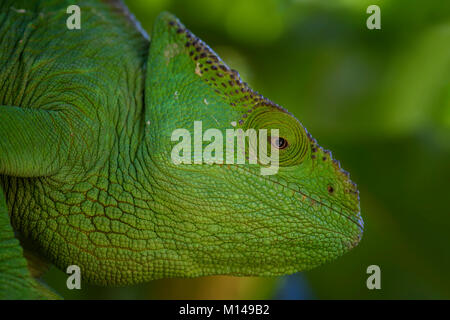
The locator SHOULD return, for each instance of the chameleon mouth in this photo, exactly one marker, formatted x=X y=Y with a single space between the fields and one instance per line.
x=359 y=222
x=291 y=189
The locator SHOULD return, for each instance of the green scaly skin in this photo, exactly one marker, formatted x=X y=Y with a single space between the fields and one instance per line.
x=86 y=118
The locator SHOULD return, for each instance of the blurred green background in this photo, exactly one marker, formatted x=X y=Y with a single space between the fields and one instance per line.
x=379 y=99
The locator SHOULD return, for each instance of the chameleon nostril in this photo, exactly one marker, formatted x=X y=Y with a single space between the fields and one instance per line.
x=330 y=189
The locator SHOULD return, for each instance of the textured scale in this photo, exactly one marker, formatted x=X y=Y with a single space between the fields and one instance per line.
x=86 y=118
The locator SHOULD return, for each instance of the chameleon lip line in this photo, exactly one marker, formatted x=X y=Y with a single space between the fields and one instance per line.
x=359 y=222
x=213 y=153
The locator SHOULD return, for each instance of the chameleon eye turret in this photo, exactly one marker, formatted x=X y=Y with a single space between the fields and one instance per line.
x=292 y=141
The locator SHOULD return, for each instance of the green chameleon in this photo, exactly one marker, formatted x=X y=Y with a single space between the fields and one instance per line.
x=86 y=176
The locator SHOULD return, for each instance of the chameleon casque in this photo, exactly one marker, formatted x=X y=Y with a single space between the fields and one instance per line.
x=86 y=176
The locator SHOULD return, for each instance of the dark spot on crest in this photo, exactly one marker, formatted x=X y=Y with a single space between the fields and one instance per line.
x=233 y=89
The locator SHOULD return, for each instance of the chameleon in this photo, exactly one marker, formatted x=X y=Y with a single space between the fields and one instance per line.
x=86 y=176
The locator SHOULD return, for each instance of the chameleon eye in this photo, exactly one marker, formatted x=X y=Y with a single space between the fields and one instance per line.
x=292 y=141
x=279 y=142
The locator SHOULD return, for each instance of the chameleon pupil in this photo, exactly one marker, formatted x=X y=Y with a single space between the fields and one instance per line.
x=280 y=143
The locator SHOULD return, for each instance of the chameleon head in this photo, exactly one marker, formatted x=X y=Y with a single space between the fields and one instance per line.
x=230 y=217
x=112 y=200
